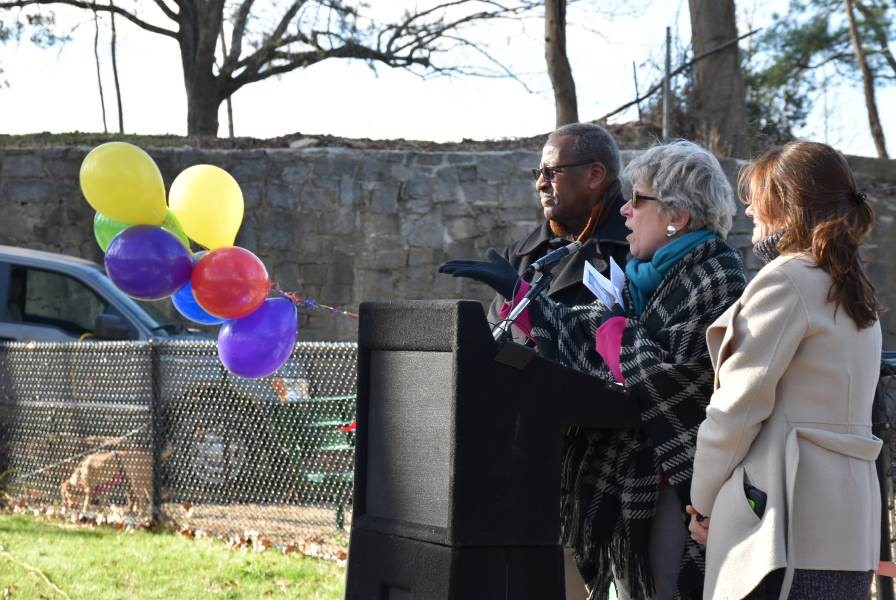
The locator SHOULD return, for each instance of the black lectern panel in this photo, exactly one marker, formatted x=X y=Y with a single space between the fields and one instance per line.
x=457 y=466
x=409 y=432
x=397 y=568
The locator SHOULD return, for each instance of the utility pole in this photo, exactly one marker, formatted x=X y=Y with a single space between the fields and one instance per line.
x=637 y=91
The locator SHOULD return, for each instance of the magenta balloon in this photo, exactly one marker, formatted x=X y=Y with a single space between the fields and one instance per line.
x=259 y=344
x=147 y=262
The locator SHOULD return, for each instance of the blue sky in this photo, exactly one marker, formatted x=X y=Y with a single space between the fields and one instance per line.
x=56 y=90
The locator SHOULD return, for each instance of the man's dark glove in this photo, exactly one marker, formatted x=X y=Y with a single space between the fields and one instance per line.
x=614 y=311
x=495 y=272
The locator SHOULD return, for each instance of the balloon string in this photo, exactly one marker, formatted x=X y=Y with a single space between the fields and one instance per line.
x=311 y=304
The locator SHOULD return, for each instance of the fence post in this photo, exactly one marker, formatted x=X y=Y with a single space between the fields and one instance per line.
x=155 y=409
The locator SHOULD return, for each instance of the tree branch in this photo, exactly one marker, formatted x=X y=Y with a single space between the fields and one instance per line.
x=255 y=62
x=422 y=34
x=879 y=34
x=239 y=30
x=505 y=72
x=97 y=7
x=658 y=86
x=171 y=14
x=409 y=43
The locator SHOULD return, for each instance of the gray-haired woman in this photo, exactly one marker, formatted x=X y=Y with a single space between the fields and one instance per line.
x=624 y=492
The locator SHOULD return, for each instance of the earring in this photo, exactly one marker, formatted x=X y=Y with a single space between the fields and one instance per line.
x=671 y=230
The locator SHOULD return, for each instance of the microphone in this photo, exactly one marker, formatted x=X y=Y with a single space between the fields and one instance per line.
x=552 y=258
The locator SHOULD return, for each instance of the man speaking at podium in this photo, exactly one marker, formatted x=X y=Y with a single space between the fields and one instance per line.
x=581 y=195
x=580 y=192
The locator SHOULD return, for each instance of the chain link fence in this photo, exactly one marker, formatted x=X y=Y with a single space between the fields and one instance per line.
x=162 y=432
x=134 y=432
x=884 y=418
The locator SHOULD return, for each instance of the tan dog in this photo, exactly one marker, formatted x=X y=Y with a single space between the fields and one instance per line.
x=130 y=472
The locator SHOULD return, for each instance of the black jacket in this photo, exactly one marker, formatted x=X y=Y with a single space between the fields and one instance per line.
x=567 y=287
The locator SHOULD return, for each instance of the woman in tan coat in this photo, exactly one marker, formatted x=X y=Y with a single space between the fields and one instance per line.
x=785 y=458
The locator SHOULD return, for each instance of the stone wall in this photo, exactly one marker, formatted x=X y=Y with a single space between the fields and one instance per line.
x=345 y=225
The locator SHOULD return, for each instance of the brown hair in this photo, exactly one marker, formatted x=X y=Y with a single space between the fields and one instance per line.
x=807 y=190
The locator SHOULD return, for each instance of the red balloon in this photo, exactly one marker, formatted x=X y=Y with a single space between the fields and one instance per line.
x=230 y=282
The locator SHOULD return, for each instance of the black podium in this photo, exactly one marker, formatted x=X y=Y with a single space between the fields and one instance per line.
x=457 y=465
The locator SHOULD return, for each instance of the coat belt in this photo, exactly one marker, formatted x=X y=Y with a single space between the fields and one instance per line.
x=861 y=447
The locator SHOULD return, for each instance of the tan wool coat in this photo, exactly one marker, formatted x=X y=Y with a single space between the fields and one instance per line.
x=791 y=415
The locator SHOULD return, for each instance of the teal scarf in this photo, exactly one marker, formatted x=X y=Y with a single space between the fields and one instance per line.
x=644 y=276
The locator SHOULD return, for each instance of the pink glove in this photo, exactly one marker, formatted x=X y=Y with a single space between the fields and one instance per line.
x=524 y=320
x=608 y=343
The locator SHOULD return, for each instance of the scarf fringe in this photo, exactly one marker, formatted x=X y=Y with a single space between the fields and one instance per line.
x=617 y=557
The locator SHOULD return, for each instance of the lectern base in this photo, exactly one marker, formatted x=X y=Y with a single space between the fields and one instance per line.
x=396 y=568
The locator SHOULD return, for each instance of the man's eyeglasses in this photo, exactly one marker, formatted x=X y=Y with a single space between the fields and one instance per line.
x=637 y=197
x=549 y=172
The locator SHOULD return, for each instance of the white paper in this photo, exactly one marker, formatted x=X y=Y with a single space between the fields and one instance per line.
x=617 y=277
x=599 y=285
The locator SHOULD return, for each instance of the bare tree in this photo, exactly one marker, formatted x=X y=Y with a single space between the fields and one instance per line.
x=284 y=36
x=99 y=74
x=877 y=132
x=113 y=47
x=719 y=94
x=558 y=64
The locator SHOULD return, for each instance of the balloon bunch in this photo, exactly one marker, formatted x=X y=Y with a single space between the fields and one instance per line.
x=148 y=255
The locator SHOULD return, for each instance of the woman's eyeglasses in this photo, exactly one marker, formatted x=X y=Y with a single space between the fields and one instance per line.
x=549 y=172
x=637 y=197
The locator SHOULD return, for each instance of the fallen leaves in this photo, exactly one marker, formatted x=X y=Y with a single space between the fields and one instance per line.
x=330 y=547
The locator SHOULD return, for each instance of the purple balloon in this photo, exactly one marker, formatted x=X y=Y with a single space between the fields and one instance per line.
x=147 y=262
x=259 y=344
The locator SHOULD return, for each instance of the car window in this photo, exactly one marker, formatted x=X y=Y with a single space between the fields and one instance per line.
x=38 y=296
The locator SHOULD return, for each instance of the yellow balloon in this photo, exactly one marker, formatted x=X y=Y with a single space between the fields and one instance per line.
x=122 y=182
x=209 y=205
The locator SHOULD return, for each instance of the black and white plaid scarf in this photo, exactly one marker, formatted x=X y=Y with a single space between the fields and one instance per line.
x=611 y=478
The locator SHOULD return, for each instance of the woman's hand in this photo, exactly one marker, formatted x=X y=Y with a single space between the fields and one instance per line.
x=699 y=526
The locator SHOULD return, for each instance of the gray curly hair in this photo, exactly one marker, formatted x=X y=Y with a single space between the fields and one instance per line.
x=687 y=178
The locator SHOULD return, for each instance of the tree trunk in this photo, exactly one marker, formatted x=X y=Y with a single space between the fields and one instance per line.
x=202 y=106
x=877 y=131
x=558 y=63
x=228 y=99
x=114 y=49
x=99 y=75
x=720 y=101
x=198 y=37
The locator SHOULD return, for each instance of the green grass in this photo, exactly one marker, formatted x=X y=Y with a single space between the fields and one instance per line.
x=105 y=564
